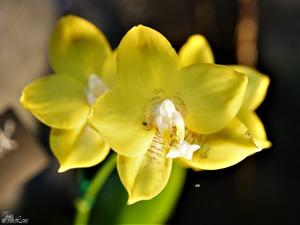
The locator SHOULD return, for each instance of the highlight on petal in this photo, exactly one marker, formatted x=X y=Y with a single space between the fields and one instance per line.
x=146 y=175
x=78 y=48
x=195 y=50
x=77 y=148
x=57 y=101
x=222 y=149
x=118 y=116
x=211 y=95
x=145 y=59
x=255 y=127
x=257 y=87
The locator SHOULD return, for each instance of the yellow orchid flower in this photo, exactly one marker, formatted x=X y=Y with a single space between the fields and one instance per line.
x=160 y=108
x=226 y=147
x=84 y=66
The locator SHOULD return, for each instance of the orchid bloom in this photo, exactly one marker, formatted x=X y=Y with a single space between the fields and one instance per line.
x=227 y=146
x=160 y=110
x=83 y=65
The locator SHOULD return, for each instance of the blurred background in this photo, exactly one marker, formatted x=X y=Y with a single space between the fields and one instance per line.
x=263 y=189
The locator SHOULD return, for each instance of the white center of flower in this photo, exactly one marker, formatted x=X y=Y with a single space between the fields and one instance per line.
x=171 y=127
x=96 y=87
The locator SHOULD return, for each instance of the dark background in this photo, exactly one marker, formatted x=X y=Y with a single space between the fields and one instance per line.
x=264 y=188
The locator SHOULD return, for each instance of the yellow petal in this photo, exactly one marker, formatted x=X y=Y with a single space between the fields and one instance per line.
x=146 y=175
x=211 y=95
x=109 y=71
x=255 y=127
x=257 y=87
x=160 y=206
x=78 y=48
x=77 y=148
x=195 y=50
x=222 y=149
x=57 y=101
x=118 y=116
x=145 y=59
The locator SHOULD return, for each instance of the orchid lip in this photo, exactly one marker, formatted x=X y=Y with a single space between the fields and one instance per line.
x=171 y=127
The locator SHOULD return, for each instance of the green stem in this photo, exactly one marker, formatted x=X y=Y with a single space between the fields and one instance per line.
x=86 y=203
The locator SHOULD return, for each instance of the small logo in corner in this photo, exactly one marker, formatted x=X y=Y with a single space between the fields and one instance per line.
x=8 y=218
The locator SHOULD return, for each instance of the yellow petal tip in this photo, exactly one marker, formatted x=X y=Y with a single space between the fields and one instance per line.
x=266 y=144
x=139 y=29
x=134 y=198
x=131 y=200
x=22 y=100
x=69 y=16
x=23 y=97
x=70 y=19
x=198 y=39
x=63 y=169
x=139 y=26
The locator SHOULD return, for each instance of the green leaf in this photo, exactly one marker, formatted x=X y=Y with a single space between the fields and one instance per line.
x=111 y=207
